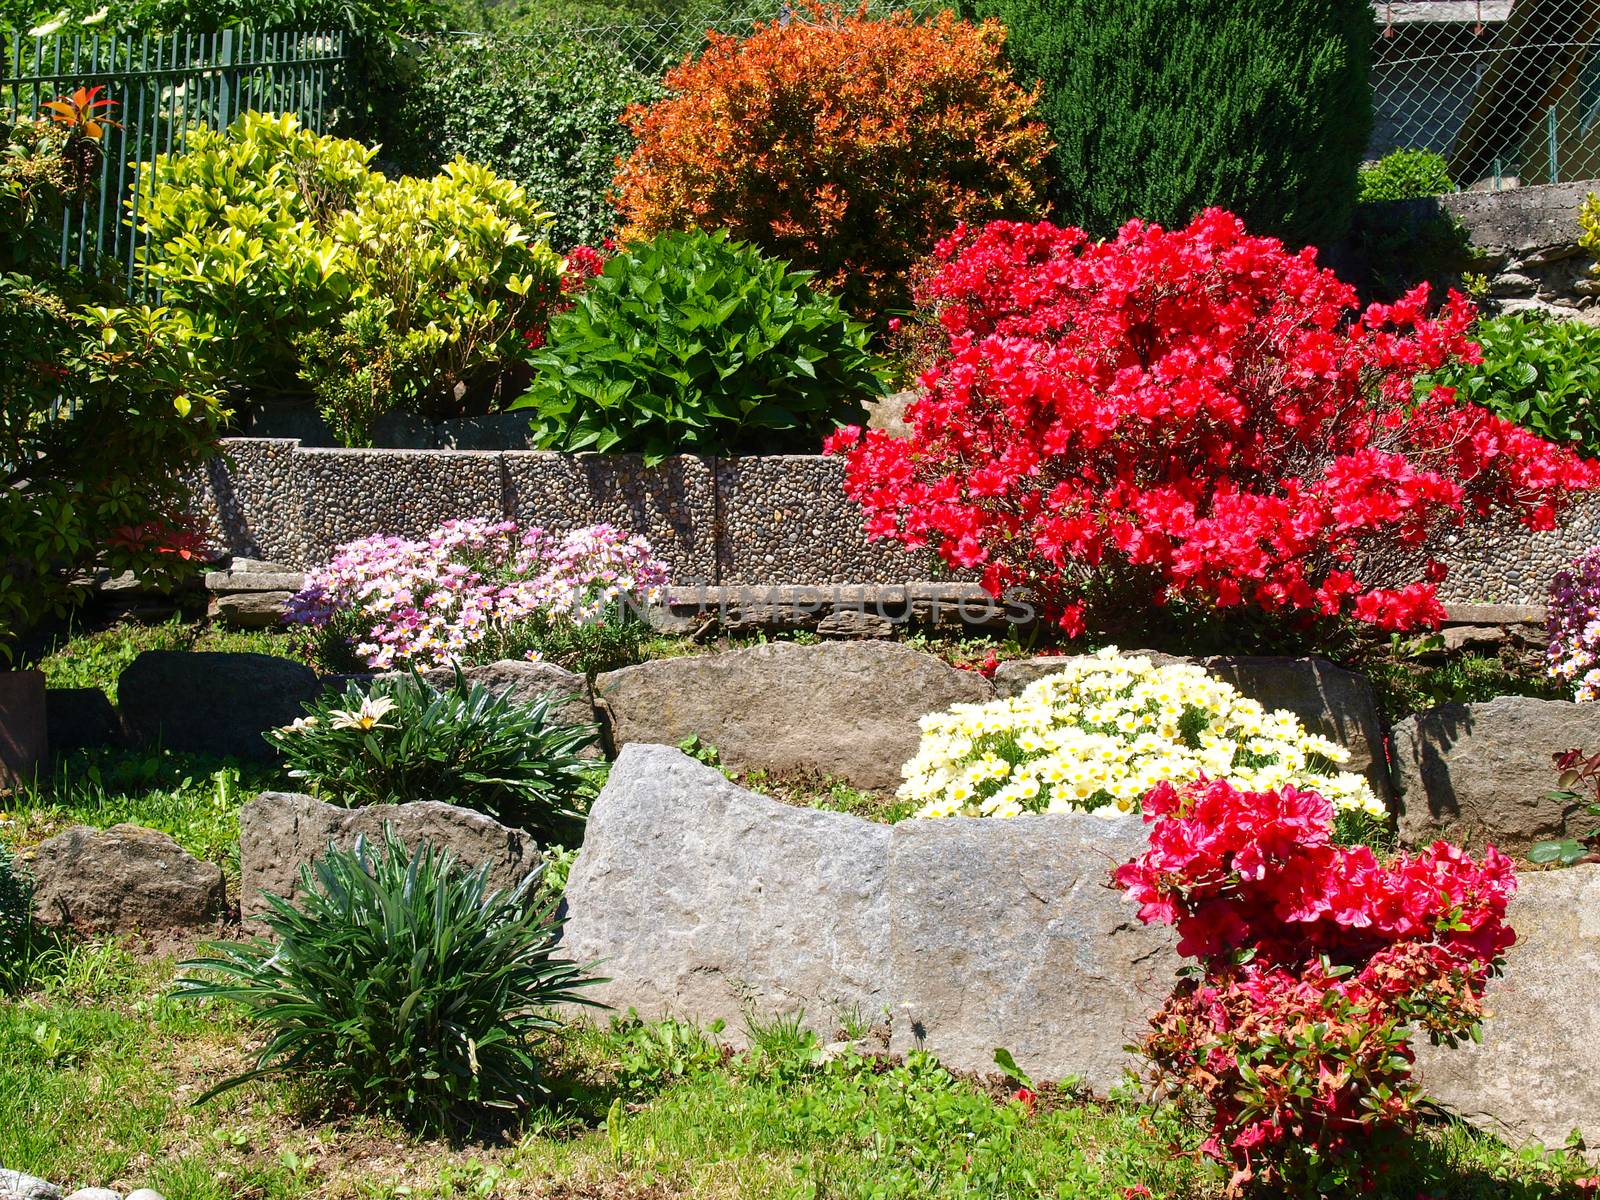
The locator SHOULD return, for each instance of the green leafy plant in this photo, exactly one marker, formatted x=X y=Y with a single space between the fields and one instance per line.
x=693 y=343
x=1405 y=175
x=403 y=740
x=1159 y=108
x=402 y=980
x=1540 y=372
x=456 y=97
x=307 y=268
x=101 y=408
x=22 y=942
x=1577 y=769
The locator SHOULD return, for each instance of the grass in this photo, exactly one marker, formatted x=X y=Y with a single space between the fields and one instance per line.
x=194 y=799
x=101 y=1068
x=95 y=658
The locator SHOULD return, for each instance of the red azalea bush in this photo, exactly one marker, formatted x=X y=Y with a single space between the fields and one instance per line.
x=1318 y=962
x=1194 y=415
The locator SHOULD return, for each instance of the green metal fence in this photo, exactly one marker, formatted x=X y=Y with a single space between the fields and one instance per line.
x=162 y=87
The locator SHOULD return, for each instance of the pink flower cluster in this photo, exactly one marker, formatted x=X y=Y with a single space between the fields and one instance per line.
x=1573 y=621
x=1317 y=959
x=428 y=602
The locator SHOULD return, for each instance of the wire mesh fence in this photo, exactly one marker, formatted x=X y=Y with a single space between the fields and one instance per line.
x=1508 y=91
x=161 y=88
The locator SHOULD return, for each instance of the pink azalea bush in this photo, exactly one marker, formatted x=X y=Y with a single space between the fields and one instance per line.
x=1317 y=963
x=474 y=591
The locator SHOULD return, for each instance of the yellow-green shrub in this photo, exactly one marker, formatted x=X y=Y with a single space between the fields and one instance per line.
x=313 y=270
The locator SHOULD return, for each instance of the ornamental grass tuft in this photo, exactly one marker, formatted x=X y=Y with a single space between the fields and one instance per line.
x=401 y=980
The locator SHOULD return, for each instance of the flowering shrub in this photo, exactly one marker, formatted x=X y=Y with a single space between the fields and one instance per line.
x=1572 y=618
x=1103 y=731
x=1317 y=963
x=476 y=591
x=842 y=143
x=1193 y=416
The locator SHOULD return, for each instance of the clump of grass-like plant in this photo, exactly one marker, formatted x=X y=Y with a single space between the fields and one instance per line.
x=402 y=980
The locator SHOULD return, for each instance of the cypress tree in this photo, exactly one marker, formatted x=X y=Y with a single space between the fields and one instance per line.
x=1161 y=107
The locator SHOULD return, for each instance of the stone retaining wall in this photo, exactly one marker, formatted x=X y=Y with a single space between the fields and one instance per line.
x=759 y=521
x=741 y=522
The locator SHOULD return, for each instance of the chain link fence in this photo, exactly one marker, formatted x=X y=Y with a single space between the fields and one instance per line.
x=1508 y=91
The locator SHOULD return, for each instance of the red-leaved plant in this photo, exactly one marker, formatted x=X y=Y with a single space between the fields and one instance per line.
x=1193 y=415
x=1317 y=964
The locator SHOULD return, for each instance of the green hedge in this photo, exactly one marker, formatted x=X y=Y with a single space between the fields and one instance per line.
x=539 y=110
x=1161 y=107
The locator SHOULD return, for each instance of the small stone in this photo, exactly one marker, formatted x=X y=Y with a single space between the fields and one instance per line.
x=126 y=879
x=146 y=1194
x=26 y=1187
x=95 y=1193
x=855 y=623
x=251 y=610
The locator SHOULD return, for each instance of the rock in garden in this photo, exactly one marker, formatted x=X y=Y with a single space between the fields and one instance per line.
x=1477 y=773
x=80 y=718
x=251 y=610
x=211 y=703
x=855 y=623
x=1005 y=933
x=26 y=1187
x=703 y=900
x=95 y=1193
x=1338 y=704
x=146 y=1194
x=1536 y=1074
x=279 y=832
x=526 y=682
x=126 y=879
x=842 y=709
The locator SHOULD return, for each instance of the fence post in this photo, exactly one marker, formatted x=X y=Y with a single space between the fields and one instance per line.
x=225 y=93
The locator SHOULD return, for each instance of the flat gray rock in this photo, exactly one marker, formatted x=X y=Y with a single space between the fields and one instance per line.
x=1005 y=933
x=847 y=709
x=279 y=832
x=526 y=682
x=26 y=1187
x=126 y=879
x=1482 y=773
x=706 y=901
x=207 y=703
x=1535 y=1076
x=1013 y=676
x=251 y=610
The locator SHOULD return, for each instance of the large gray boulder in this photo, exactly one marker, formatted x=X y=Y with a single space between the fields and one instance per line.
x=1477 y=773
x=700 y=899
x=126 y=879
x=704 y=901
x=279 y=832
x=1534 y=1076
x=1337 y=704
x=843 y=709
x=1012 y=677
x=208 y=703
x=1005 y=933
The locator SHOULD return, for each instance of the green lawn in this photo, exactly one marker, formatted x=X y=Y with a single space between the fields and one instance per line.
x=100 y=1069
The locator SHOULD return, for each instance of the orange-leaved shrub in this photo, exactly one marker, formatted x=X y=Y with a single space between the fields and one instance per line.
x=845 y=144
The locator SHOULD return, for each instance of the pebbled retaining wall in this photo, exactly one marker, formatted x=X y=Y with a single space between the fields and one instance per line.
x=744 y=522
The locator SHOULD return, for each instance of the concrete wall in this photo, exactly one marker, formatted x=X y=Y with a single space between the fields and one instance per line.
x=752 y=522
x=777 y=520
